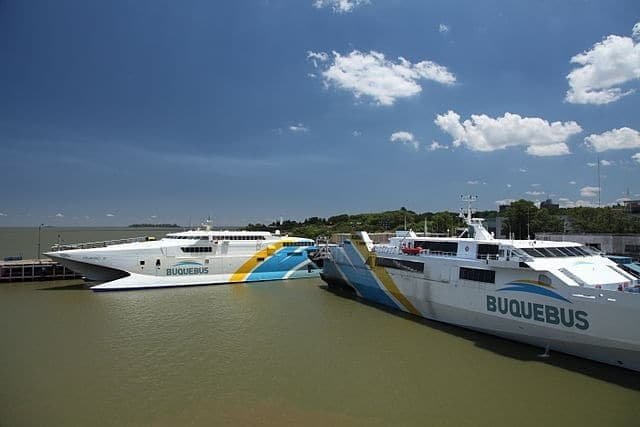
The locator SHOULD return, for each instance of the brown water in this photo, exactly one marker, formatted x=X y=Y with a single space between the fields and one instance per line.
x=277 y=353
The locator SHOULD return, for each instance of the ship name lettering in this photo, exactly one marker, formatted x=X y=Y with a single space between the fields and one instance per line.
x=544 y=313
x=186 y=271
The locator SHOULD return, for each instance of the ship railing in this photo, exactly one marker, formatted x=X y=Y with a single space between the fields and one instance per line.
x=100 y=244
x=438 y=253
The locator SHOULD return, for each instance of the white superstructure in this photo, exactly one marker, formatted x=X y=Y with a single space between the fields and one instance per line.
x=196 y=257
x=557 y=295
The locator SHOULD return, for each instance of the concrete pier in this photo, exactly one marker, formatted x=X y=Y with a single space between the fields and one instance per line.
x=32 y=270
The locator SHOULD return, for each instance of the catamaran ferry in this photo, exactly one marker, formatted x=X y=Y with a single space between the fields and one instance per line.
x=557 y=295
x=196 y=257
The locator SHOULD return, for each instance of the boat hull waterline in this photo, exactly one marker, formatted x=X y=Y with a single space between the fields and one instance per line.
x=596 y=324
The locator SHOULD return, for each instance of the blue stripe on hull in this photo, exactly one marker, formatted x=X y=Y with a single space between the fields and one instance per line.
x=361 y=278
x=281 y=263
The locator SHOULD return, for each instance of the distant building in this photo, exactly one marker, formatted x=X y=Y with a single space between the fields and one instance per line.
x=494 y=225
x=548 y=204
x=612 y=244
x=632 y=206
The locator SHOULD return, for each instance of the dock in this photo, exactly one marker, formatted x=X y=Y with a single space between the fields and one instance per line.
x=33 y=270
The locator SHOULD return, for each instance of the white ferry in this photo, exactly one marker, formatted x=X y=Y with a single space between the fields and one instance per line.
x=196 y=257
x=557 y=295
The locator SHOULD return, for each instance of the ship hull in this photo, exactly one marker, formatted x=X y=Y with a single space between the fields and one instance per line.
x=600 y=327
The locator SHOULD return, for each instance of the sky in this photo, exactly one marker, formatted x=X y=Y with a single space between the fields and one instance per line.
x=121 y=112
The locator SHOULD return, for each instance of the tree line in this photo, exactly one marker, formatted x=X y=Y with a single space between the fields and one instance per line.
x=521 y=219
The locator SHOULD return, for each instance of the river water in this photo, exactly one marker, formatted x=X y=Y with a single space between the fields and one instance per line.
x=277 y=353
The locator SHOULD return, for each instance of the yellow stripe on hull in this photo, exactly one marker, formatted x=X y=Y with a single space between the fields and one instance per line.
x=245 y=269
x=381 y=274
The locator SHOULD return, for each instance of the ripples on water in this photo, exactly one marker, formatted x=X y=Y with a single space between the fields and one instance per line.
x=279 y=353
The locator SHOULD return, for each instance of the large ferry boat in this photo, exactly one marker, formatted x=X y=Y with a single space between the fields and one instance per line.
x=557 y=295
x=188 y=258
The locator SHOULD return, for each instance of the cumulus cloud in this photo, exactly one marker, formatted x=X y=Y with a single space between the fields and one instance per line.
x=572 y=182
x=443 y=28
x=534 y=193
x=317 y=57
x=592 y=164
x=339 y=6
x=615 y=139
x=608 y=65
x=3 y=214
x=568 y=203
x=589 y=191
x=372 y=75
x=606 y=162
x=523 y=170
x=484 y=133
x=636 y=31
x=59 y=215
x=298 y=128
x=110 y=215
x=405 y=138
x=509 y=185
x=636 y=157
x=435 y=145
x=356 y=133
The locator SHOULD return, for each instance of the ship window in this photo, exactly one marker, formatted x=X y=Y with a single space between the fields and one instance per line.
x=400 y=264
x=544 y=279
x=157 y=263
x=260 y=259
x=141 y=262
x=432 y=246
x=477 y=275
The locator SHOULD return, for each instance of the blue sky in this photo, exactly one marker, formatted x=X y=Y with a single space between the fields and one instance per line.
x=121 y=112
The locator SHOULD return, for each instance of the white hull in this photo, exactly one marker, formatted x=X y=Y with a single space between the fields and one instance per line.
x=597 y=324
x=191 y=259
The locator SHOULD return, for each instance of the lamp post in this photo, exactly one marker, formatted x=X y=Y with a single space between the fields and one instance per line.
x=39 y=230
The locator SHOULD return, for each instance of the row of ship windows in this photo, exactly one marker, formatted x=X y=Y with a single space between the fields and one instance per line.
x=557 y=252
x=297 y=244
x=238 y=237
x=197 y=249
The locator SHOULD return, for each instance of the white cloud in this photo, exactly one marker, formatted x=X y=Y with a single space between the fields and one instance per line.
x=474 y=182
x=635 y=32
x=534 y=193
x=535 y=185
x=606 y=162
x=339 y=6
x=311 y=75
x=110 y=215
x=484 y=133
x=592 y=164
x=435 y=145
x=505 y=202
x=572 y=182
x=59 y=215
x=509 y=185
x=568 y=203
x=608 y=65
x=523 y=170
x=317 y=57
x=356 y=133
x=443 y=28
x=298 y=128
x=614 y=139
x=3 y=214
x=636 y=157
x=153 y=216
x=589 y=191
x=405 y=138
x=371 y=74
